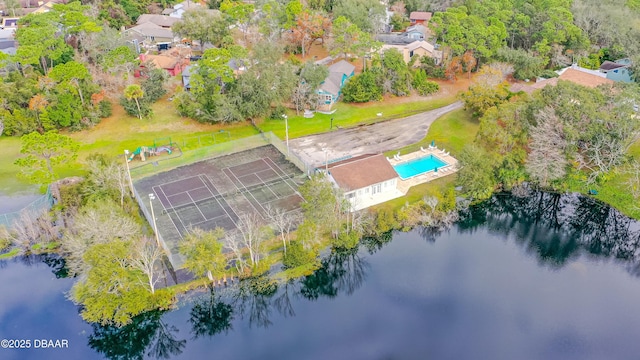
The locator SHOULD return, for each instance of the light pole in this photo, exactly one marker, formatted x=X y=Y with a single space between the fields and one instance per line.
x=286 y=131
x=153 y=216
x=126 y=161
x=331 y=127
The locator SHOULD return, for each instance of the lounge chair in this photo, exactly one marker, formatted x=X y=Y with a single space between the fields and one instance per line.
x=422 y=149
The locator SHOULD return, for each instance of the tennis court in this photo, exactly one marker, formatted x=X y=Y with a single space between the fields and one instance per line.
x=264 y=184
x=195 y=202
x=215 y=192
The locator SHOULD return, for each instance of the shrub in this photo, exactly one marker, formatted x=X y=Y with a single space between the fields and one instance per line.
x=362 y=88
x=346 y=240
x=297 y=255
x=105 y=108
x=422 y=85
x=4 y=242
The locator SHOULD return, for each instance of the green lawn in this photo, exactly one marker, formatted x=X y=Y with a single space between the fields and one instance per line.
x=119 y=132
x=417 y=192
x=450 y=132
x=347 y=115
x=615 y=191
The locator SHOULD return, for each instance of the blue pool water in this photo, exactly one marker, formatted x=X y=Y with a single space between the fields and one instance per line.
x=418 y=166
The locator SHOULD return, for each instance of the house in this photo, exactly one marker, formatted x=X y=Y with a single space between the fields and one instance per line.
x=617 y=71
x=331 y=88
x=160 y=20
x=417 y=48
x=173 y=65
x=152 y=33
x=366 y=180
x=417 y=32
x=419 y=17
x=574 y=73
x=179 y=9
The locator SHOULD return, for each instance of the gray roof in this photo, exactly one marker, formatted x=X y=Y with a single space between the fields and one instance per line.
x=610 y=65
x=395 y=39
x=333 y=82
x=342 y=67
x=161 y=20
x=151 y=29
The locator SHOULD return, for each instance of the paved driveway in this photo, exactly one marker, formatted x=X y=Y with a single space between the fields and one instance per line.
x=380 y=137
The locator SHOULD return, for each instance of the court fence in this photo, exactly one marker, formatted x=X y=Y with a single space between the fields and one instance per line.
x=152 y=167
x=152 y=221
x=36 y=207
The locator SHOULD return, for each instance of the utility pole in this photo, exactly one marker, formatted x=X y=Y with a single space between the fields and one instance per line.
x=126 y=161
x=153 y=216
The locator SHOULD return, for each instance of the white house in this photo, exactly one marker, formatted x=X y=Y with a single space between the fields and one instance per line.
x=366 y=180
x=179 y=9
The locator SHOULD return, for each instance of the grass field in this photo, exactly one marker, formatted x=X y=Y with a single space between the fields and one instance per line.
x=347 y=115
x=450 y=132
x=119 y=132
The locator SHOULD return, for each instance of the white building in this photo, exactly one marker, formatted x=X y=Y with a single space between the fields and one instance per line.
x=366 y=180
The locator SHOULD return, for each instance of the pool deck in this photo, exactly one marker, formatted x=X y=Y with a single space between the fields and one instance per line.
x=450 y=168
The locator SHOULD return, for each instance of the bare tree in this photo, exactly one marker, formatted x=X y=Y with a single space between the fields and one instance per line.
x=633 y=182
x=32 y=228
x=252 y=232
x=235 y=245
x=146 y=255
x=283 y=222
x=97 y=224
x=109 y=175
x=547 y=160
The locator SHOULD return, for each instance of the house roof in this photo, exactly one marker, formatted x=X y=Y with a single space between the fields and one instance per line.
x=342 y=67
x=187 y=4
x=610 y=65
x=161 y=61
x=418 y=27
x=333 y=82
x=584 y=78
x=420 y=44
x=161 y=20
x=362 y=171
x=420 y=15
x=151 y=29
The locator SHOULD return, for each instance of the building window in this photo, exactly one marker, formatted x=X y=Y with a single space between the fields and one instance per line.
x=376 y=189
x=411 y=53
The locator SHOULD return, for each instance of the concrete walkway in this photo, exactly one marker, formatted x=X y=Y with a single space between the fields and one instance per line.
x=380 y=137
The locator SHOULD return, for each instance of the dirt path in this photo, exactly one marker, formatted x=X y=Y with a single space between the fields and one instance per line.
x=374 y=138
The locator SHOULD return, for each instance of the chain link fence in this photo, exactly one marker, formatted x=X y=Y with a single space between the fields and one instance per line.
x=38 y=206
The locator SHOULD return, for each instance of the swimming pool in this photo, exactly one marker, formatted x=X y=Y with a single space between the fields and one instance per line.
x=418 y=166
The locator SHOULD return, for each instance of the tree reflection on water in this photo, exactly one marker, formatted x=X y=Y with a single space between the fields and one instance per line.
x=559 y=227
x=555 y=228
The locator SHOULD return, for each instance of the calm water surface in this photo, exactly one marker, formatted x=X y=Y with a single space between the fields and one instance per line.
x=542 y=277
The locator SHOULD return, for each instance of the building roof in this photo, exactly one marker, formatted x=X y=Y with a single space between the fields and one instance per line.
x=361 y=171
x=420 y=15
x=418 y=27
x=420 y=44
x=151 y=29
x=160 y=61
x=584 y=78
x=610 y=65
x=342 y=67
x=333 y=83
x=161 y=20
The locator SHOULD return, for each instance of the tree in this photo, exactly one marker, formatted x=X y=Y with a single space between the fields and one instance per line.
x=203 y=253
x=252 y=234
x=488 y=91
x=309 y=28
x=153 y=85
x=365 y=14
x=469 y=61
x=422 y=85
x=37 y=104
x=145 y=257
x=396 y=78
x=362 y=88
x=11 y=5
x=283 y=222
x=135 y=92
x=476 y=172
x=98 y=223
x=547 y=161
x=42 y=154
x=323 y=205
x=240 y=12
x=311 y=76
x=203 y=26
x=71 y=73
x=349 y=39
x=526 y=64
x=111 y=292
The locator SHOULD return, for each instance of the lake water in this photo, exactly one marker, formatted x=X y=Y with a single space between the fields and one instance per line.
x=542 y=277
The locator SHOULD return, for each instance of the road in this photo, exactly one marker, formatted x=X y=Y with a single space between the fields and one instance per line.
x=376 y=138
